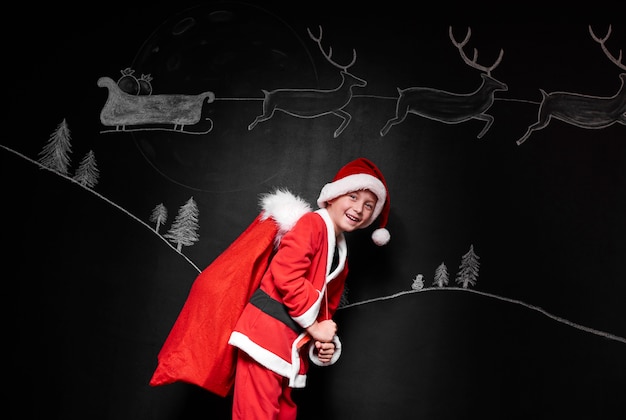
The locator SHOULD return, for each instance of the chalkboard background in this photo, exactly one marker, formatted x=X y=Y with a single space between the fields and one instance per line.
x=539 y=332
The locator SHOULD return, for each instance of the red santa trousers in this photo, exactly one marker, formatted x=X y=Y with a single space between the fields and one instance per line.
x=261 y=394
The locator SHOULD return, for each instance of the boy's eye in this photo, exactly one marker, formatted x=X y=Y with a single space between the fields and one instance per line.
x=369 y=206
x=353 y=196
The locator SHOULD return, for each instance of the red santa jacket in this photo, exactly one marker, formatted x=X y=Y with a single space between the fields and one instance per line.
x=196 y=350
x=297 y=289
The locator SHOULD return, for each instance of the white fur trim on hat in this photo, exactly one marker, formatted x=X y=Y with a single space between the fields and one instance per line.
x=351 y=183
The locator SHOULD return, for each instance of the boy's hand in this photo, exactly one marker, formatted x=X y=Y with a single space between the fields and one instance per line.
x=325 y=351
x=323 y=331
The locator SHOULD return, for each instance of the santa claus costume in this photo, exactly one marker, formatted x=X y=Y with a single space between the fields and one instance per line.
x=290 y=283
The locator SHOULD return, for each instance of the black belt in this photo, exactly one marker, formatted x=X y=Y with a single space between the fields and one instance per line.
x=275 y=309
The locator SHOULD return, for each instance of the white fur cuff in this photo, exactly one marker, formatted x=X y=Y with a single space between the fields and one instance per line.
x=316 y=360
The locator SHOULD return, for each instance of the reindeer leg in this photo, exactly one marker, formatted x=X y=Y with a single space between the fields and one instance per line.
x=253 y=123
x=489 y=121
x=534 y=127
x=385 y=129
x=346 y=120
x=398 y=118
x=260 y=118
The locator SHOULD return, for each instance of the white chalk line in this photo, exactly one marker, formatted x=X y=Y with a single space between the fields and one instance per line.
x=515 y=301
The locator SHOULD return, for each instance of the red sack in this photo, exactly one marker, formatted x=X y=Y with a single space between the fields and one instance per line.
x=196 y=350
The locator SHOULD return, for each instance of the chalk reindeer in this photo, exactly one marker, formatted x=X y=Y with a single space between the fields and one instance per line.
x=312 y=103
x=448 y=107
x=583 y=111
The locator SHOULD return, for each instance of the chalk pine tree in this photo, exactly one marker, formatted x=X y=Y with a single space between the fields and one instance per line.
x=55 y=154
x=441 y=276
x=184 y=230
x=468 y=270
x=87 y=173
x=158 y=216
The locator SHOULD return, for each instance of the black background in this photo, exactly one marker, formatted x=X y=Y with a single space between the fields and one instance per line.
x=97 y=292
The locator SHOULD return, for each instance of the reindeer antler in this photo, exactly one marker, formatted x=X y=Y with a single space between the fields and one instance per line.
x=330 y=52
x=473 y=63
x=618 y=60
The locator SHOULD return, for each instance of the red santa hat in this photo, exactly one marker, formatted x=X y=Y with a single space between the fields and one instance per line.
x=362 y=174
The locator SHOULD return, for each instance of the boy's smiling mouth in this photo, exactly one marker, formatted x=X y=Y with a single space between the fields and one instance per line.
x=353 y=218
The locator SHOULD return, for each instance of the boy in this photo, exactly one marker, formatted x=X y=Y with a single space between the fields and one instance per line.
x=300 y=292
x=282 y=267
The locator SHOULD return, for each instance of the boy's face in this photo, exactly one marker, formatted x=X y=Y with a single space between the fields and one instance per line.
x=351 y=211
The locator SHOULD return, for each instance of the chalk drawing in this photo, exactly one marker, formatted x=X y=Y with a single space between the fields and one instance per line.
x=448 y=107
x=584 y=111
x=184 y=230
x=502 y=298
x=87 y=173
x=441 y=276
x=158 y=216
x=132 y=107
x=313 y=103
x=468 y=270
x=92 y=191
x=174 y=111
x=418 y=282
x=55 y=155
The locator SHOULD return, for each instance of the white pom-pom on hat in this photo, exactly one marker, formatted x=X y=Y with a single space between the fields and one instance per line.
x=381 y=236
